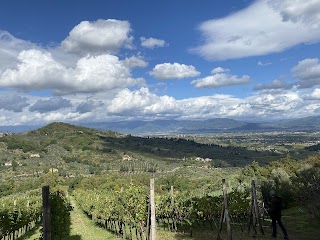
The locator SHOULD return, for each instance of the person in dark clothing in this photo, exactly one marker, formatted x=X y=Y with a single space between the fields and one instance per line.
x=275 y=207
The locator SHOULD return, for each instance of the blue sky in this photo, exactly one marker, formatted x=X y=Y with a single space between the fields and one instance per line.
x=86 y=61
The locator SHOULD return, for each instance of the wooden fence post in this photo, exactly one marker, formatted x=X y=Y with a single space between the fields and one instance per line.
x=148 y=221
x=255 y=213
x=46 y=213
x=225 y=212
x=153 y=210
x=174 y=224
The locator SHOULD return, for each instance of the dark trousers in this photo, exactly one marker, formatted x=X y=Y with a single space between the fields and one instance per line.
x=275 y=219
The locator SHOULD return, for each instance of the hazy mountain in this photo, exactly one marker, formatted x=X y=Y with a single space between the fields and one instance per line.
x=309 y=124
x=18 y=128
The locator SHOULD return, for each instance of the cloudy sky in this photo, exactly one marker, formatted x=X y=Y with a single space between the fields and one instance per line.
x=93 y=61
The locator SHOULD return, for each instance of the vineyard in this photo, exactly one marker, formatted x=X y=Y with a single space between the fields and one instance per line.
x=19 y=213
x=126 y=212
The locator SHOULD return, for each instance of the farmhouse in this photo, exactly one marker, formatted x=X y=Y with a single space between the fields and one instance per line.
x=126 y=157
x=35 y=155
x=199 y=159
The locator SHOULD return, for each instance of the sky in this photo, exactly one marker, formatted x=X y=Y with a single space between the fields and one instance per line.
x=99 y=61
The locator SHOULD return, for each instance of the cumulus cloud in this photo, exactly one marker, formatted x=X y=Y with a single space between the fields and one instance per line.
x=220 y=78
x=144 y=104
x=274 y=105
x=219 y=70
x=88 y=106
x=275 y=84
x=38 y=70
x=13 y=102
x=101 y=36
x=308 y=72
x=298 y=10
x=10 y=47
x=260 y=29
x=52 y=104
x=62 y=116
x=133 y=62
x=173 y=71
x=141 y=100
x=315 y=95
x=152 y=42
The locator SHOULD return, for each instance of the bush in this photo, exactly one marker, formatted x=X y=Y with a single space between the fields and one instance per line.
x=308 y=194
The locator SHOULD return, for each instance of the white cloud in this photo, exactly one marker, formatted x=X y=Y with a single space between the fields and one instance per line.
x=10 y=47
x=277 y=104
x=141 y=100
x=101 y=36
x=146 y=105
x=263 y=64
x=133 y=62
x=220 y=78
x=275 y=84
x=308 y=73
x=173 y=71
x=152 y=42
x=64 y=116
x=315 y=95
x=38 y=70
x=298 y=10
x=219 y=70
x=260 y=29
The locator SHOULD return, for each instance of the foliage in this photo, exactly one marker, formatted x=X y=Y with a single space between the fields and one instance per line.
x=60 y=215
x=308 y=194
x=16 y=211
x=128 y=207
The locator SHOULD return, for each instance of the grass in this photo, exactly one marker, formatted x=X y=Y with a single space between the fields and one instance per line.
x=82 y=228
x=32 y=234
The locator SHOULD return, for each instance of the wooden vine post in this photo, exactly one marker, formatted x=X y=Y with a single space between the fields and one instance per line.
x=174 y=224
x=46 y=213
x=225 y=212
x=254 y=216
x=148 y=221
x=153 y=210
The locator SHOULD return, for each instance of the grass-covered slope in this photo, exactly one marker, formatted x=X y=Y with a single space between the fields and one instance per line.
x=69 y=141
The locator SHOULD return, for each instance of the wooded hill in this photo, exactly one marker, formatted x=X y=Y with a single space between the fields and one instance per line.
x=69 y=143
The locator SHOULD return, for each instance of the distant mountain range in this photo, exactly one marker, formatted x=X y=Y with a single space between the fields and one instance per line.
x=307 y=124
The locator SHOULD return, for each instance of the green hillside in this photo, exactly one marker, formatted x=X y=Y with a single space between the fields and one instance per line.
x=79 y=151
x=68 y=143
x=101 y=163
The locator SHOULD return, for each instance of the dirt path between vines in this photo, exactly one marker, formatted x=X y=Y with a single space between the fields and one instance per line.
x=82 y=228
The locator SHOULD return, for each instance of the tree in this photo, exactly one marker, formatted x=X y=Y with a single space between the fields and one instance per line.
x=14 y=165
